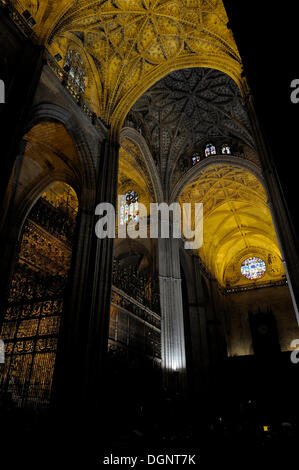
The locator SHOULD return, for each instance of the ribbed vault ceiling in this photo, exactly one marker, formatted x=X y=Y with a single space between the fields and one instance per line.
x=187 y=109
x=237 y=223
x=131 y=44
x=132 y=48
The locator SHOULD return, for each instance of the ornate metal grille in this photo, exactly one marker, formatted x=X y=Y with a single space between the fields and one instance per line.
x=135 y=323
x=35 y=305
x=140 y=287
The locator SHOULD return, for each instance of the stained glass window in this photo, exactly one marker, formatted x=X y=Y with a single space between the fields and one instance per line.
x=129 y=208
x=210 y=150
x=74 y=66
x=226 y=149
x=253 y=268
x=196 y=158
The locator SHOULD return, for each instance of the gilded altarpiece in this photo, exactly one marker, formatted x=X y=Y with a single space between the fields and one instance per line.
x=35 y=306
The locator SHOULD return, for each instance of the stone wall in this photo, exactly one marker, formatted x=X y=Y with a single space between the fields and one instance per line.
x=237 y=307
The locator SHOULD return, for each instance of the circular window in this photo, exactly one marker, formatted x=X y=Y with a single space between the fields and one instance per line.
x=253 y=268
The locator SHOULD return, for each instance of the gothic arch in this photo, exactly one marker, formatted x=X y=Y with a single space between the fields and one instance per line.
x=182 y=112
x=75 y=168
x=131 y=249
x=194 y=172
x=236 y=215
x=21 y=211
x=72 y=160
x=70 y=169
x=147 y=159
x=130 y=99
x=49 y=112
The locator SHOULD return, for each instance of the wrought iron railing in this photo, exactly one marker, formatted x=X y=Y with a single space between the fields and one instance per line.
x=252 y=286
x=138 y=286
x=133 y=327
x=130 y=304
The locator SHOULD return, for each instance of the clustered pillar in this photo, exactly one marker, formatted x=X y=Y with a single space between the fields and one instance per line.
x=172 y=320
x=282 y=222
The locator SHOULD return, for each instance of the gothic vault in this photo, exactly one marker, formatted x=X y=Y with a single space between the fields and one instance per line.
x=131 y=102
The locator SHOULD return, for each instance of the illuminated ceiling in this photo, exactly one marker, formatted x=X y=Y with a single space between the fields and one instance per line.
x=128 y=46
x=237 y=224
x=48 y=140
x=50 y=155
x=63 y=196
x=131 y=44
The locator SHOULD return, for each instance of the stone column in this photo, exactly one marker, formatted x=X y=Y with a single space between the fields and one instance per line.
x=9 y=237
x=172 y=320
x=100 y=280
x=198 y=329
x=282 y=221
x=80 y=370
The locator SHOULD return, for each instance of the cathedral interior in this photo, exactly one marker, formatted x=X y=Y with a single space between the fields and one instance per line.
x=133 y=102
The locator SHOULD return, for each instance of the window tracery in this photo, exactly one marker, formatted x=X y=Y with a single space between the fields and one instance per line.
x=196 y=158
x=74 y=67
x=210 y=150
x=226 y=150
x=129 y=208
x=253 y=268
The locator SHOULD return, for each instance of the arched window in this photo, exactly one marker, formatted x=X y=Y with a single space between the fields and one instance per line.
x=74 y=67
x=210 y=150
x=36 y=299
x=196 y=158
x=226 y=149
x=129 y=208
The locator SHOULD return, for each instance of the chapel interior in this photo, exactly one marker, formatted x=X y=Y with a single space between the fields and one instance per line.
x=134 y=102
